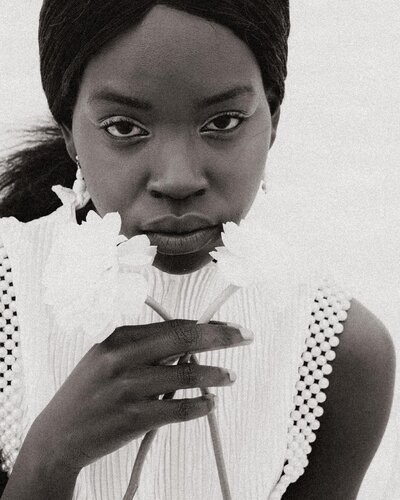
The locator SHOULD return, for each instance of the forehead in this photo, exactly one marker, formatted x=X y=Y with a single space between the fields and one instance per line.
x=171 y=50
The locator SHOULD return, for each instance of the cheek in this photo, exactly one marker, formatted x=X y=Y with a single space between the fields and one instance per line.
x=108 y=172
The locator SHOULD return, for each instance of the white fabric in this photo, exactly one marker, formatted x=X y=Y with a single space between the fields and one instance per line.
x=253 y=414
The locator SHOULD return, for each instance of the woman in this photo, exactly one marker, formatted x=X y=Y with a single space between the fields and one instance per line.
x=167 y=111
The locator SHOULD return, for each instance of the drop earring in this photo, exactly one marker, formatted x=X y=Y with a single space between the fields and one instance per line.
x=79 y=187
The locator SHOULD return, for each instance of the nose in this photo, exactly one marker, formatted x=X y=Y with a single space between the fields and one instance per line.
x=178 y=174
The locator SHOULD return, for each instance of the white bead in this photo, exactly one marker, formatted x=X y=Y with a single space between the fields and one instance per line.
x=298 y=400
x=3 y=337
x=9 y=330
x=312 y=403
x=324 y=383
x=3 y=352
x=14 y=321
x=326 y=346
x=306 y=394
x=9 y=344
x=333 y=320
x=314 y=329
x=294 y=430
x=330 y=355
x=310 y=417
x=295 y=415
x=318 y=374
x=9 y=360
x=324 y=324
x=312 y=365
x=323 y=302
x=311 y=438
x=303 y=371
x=302 y=424
x=315 y=351
x=300 y=385
x=307 y=430
x=320 y=337
x=315 y=425
x=338 y=328
x=304 y=409
x=319 y=315
x=320 y=397
x=8 y=314
x=321 y=360
x=334 y=341
x=3 y=367
x=16 y=336
x=318 y=411
x=346 y=304
x=288 y=469
x=315 y=388
x=6 y=299
x=311 y=342
x=307 y=356
x=309 y=379
x=326 y=369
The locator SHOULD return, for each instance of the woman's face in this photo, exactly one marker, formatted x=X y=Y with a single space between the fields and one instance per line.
x=172 y=128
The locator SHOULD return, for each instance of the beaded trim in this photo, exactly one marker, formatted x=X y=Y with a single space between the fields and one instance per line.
x=11 y=388
x=329 y=309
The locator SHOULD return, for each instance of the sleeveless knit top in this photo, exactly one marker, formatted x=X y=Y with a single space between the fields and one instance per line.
x=268 y=419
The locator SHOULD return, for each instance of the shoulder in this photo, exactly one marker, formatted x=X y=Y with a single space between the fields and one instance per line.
x=356 y=411
x=365 y=363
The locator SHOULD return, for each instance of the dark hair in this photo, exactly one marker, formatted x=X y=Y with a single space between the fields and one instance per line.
x=71 y=32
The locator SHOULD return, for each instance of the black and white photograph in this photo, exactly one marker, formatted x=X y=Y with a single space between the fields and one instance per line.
x=199 y=250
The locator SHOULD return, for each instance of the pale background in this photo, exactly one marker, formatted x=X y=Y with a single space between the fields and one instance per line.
x=333 y=173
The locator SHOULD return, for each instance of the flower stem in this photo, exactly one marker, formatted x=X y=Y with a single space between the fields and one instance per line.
x=212 y=421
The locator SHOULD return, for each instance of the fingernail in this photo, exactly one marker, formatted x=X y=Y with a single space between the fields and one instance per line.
x=232 y=376
x=244 y=332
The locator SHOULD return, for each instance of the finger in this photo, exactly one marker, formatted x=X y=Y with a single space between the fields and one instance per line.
x=179 y=337
x=124 y=335
x=156 y=380
x=153 y=414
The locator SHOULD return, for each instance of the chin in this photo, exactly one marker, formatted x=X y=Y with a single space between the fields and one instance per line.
x=181 y=264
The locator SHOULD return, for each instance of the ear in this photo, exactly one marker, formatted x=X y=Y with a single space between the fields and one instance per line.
x=276 y=113
x=69 y=141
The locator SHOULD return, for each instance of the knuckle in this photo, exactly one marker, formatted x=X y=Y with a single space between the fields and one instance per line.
x=187 y=374
x=184 y=410
x=186 y=334
x=111 y=365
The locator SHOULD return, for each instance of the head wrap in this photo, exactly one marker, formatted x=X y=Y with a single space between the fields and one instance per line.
x=73 y=31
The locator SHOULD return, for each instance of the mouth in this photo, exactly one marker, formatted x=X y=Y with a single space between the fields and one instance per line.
x=182 y=243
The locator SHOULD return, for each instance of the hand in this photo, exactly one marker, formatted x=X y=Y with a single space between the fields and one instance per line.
x=111 y=397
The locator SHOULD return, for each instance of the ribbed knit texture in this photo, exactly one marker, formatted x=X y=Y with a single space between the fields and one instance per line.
x=253 y=414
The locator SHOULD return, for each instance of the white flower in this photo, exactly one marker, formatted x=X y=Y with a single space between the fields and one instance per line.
x=251 y=254
x=91 y=277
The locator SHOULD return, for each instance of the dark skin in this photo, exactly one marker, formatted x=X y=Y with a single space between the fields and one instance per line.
x=177 y=159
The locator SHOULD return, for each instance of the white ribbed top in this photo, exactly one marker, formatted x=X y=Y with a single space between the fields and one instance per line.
x=253 y=414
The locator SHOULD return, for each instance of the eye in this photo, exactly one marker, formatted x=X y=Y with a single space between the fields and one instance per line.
x=226 y=122
x=122 y=128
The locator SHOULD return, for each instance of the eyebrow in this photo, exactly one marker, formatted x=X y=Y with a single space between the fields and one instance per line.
x=134 y=102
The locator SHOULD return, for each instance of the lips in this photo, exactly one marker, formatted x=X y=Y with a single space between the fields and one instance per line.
x=188 y=223
x=182 y=235
x=184 y=243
